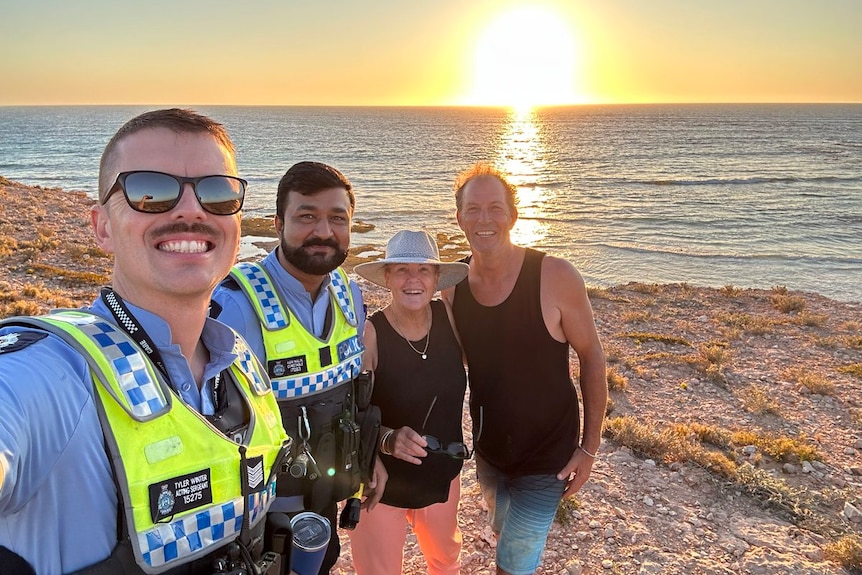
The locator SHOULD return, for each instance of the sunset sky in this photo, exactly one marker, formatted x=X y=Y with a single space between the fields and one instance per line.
x=429 y=52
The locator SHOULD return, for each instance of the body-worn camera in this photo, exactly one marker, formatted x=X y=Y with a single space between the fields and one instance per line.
x=299 y=467
x=304 y=466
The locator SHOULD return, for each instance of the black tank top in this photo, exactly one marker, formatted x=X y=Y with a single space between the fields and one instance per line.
x=519 y=376
x=404 y=387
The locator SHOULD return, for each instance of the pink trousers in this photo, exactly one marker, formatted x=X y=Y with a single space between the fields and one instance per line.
x=377 y=542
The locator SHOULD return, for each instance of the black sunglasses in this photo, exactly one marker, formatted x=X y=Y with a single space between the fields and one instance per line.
x=156 y=192
x=456 y=449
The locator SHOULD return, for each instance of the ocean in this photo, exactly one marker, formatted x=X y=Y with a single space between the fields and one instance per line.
x=750 y=195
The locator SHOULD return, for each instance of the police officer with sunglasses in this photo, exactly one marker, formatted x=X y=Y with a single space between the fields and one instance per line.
x=138 y=435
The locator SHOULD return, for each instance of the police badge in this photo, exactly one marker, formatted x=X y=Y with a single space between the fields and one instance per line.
x=8 y=339
x=19 y=340
x=165 y=503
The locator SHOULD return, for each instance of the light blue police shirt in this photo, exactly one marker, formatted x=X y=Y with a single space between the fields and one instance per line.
x=239 y=313
x=58 y=502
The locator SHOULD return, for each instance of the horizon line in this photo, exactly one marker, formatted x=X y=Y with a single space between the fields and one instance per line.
x=478 y=106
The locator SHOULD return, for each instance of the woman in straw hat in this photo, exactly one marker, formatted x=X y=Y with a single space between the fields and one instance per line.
x=419 y=385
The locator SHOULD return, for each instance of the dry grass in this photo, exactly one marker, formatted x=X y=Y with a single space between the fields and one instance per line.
x=713 y=360
x=644 y=288
x=616 y=381
x=754 y=325
x=756 y=400
x=809 y=319
x=31 y=299
x=566 y=511
x=70 y=277
x=613 y=354
x=8 y=245
x=853 y=369
x=718 y=451
x=813 y=382
x=668 y=444
x=786 y=302
x=799 y=504
x=597 y=293
x=829 y=342
x=20 y=307
x=636 y=316
x=846 y=551
x=641 y=337
x=84 y=254
x=715 y=352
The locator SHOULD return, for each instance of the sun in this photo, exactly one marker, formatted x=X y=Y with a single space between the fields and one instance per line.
x=526 y=57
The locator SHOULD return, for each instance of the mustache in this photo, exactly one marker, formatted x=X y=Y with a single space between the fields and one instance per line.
x=180 y=228
x=328 y=243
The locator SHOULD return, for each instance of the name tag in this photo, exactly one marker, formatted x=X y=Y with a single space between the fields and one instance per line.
x=287 y=367
x=179 y=494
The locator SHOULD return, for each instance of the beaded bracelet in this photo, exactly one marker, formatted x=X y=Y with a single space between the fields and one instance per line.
x=592 y=455
x=383 y=439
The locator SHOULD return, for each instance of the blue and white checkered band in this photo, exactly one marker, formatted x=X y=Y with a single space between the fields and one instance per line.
x=248 y=365
x=192 y=534
x=295 y=387
x=259 y=502
x=195 y=533
x=274 y=317
x=143 y=396
x=341 y=290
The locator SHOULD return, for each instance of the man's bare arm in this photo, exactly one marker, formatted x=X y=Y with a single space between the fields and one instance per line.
x=565 y=303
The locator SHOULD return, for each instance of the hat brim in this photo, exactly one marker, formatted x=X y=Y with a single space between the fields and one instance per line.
x=451 y=273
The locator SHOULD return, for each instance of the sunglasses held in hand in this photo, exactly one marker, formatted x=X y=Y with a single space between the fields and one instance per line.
x=456 y=449
x=157 y=192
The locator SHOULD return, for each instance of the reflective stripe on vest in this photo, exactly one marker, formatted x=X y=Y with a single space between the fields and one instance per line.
x=303 y=364
x=163 y=450
x=267 y=304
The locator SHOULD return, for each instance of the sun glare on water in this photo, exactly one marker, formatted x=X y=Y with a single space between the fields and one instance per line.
x=526 y=57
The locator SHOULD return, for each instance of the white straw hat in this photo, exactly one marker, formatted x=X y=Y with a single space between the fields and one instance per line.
x=411 y=247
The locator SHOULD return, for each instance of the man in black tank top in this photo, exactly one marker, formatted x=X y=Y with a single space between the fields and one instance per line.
x=518 y=313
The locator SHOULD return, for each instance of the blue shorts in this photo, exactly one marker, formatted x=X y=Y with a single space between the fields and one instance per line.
x=521 y=511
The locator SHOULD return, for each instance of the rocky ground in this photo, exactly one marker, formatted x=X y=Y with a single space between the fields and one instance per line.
x=779 y=365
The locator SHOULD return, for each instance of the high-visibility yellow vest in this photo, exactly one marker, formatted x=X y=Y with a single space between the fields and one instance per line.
x=298 y=362
x=187 y=489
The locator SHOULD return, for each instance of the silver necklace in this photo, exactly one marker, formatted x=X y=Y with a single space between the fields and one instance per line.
x=424 y=353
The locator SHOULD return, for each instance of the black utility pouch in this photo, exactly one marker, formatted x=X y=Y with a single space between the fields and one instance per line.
x=368 y=420
x=363 y=387
x=369 y=430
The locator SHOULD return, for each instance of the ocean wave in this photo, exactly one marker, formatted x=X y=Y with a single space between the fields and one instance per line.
x=831 y=260
x=545 y=185
x=746 y=181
